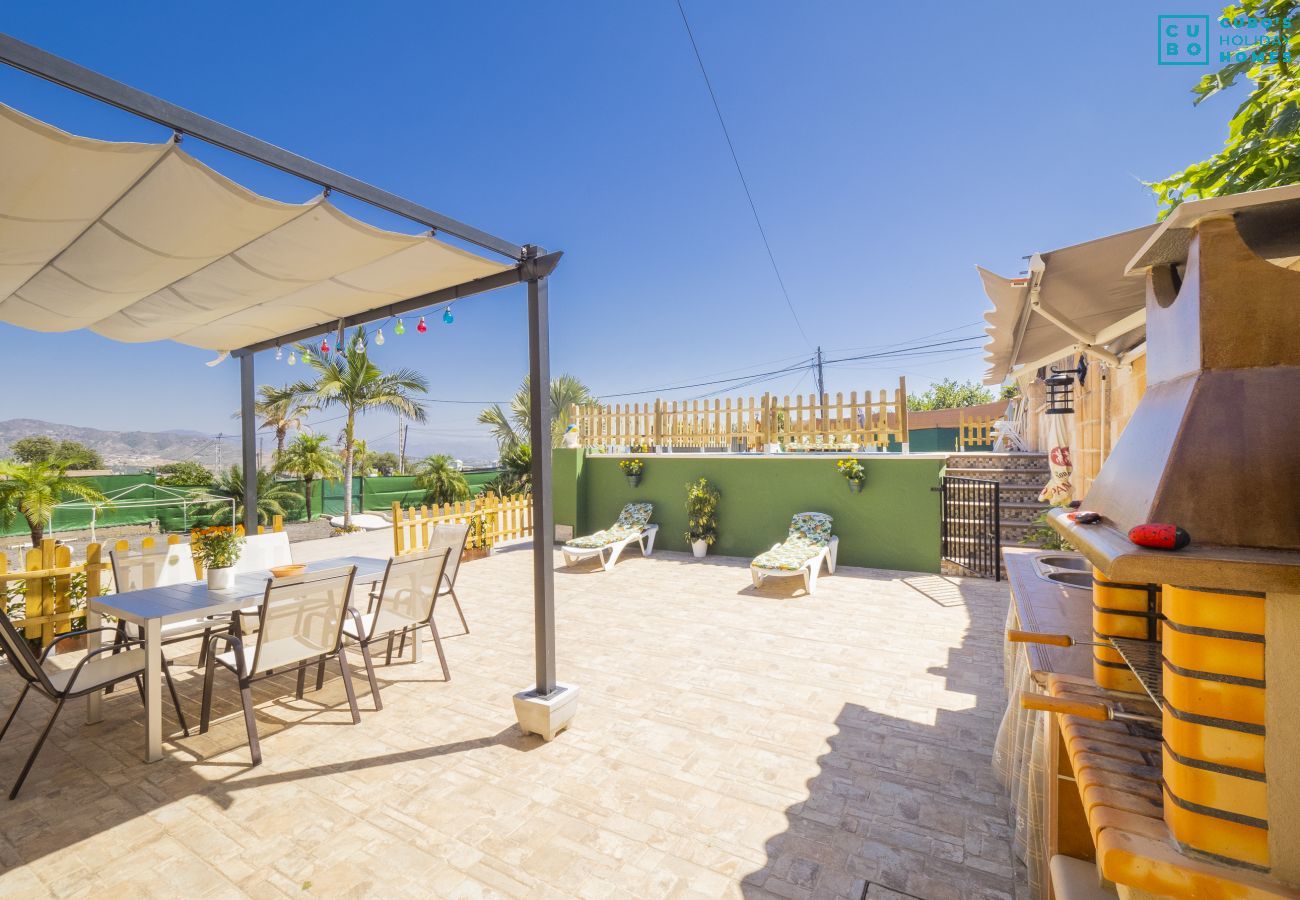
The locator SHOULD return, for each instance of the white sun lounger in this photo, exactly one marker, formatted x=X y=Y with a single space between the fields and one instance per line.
x=633 y=525
x=809 y=544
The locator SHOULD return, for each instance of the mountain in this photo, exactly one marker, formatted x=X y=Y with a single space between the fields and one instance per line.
x=124 y=449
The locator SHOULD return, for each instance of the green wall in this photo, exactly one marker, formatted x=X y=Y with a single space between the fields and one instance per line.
x=932 y=440
x=892 y=524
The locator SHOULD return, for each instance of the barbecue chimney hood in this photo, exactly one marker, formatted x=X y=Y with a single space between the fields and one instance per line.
x=1214 y=444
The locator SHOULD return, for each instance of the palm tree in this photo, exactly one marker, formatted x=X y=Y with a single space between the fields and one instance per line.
x=282 y=409
x=441 y=482
x=512 y=429
x=274 y=498
x=350 y=381
x=33 y=489
x=308 y=458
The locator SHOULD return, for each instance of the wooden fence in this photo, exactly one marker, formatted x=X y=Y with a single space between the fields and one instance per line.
x=491 y=520
x=748 y=424
x=55 y=589
x=976 y=432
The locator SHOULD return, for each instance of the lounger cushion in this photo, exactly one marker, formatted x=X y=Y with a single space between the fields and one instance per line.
x=790 y=556
x=631 y=522
x=812 y=526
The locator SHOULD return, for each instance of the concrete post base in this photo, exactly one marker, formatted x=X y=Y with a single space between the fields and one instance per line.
x=546 y=716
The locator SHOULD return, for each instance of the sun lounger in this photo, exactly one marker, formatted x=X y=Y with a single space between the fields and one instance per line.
x=809 y=544
x=633 y=525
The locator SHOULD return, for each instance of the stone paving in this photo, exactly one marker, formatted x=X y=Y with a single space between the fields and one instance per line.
x=730 y=743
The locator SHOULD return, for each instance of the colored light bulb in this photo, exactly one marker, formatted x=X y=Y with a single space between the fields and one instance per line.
x=447 y=317
x=399 y=328
x=324 y=347
x=379 y=338
x=421 y=327
x=293 y=360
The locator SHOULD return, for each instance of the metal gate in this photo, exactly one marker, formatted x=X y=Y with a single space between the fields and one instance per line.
x=970 y=526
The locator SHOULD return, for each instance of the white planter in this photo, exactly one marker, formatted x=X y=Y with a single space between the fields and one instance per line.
x=222 y=579
x=699 y=548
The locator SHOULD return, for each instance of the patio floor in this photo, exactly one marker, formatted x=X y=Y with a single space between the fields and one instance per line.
x=728 y=743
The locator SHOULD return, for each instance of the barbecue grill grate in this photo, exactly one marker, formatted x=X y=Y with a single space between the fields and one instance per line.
x=1143 y=657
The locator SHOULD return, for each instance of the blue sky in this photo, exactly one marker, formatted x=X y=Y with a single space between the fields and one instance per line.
x=889 y=150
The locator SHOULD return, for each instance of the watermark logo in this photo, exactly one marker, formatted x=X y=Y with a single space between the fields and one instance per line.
x=1183 y=41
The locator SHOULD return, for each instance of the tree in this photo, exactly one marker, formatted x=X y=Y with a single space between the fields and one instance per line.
x=32 y=489
x=516 y=472
x=69 y=454
x=513 y=428
x=274 y=498
x=948 y=394
x=183 y=474
x=308 y=458
x=1263 y=144
x=354 y=384
x=440 y=481
x=280 y=409
x=384 y=462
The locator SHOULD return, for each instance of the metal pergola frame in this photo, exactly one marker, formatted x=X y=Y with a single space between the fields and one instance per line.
x=119 y=499
x=532 y=267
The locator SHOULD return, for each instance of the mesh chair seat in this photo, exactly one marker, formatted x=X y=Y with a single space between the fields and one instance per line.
x=271 y=654
x=99 y=672
x=383 y=622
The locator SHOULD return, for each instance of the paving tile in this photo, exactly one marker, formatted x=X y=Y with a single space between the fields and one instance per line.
x=730 y=743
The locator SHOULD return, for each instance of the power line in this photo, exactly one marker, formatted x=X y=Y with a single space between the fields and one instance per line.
x=739 y=171
x=682 y=387
x=919 y=337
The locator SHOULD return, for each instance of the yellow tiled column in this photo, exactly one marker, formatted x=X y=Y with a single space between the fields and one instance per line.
x=1122 y=611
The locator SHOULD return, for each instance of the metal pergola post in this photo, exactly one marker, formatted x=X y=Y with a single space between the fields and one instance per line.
x=248 y=429
x=539 y=423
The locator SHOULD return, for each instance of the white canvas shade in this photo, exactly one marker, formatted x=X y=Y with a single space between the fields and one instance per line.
x=142 y=242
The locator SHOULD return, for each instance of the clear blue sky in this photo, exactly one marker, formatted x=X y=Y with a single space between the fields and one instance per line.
x=889 y=149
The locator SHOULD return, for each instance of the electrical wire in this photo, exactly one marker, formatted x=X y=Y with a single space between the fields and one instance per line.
x=739 y=171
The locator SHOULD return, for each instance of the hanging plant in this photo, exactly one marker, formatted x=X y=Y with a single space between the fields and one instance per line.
x=632 y=468
x=853 y=472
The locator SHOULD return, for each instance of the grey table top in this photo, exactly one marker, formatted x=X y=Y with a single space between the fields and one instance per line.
x=178 y=602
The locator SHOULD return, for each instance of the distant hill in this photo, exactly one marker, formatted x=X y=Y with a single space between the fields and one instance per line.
x=122 y=449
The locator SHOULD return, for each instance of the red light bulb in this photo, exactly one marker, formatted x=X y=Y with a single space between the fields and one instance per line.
x=324 y=347
x=421 y=327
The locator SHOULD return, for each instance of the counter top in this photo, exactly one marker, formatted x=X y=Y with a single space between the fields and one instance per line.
x=1045 y=606
x=1196 y=566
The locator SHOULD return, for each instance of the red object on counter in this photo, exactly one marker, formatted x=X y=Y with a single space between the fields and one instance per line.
x=1159 y=536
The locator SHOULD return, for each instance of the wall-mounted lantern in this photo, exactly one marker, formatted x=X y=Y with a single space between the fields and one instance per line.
x=1060 y=387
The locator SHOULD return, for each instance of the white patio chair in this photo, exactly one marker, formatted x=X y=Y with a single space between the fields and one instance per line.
x=452 y=538
x=300 y=621
x=633 y=525
x=801 y=554
x=259 y=553
x=159 y=567
x=404 y=604
x=94 y=672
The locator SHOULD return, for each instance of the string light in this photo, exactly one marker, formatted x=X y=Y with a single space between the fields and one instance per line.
x=360 y=345
x=379 y=338
x=293 y=359
x=399 y=328
x=447 y=317
x=421 y=327
x=324 y=347
x=279 y=354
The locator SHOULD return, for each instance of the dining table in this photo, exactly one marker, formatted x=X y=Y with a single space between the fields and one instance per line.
x=152 y=608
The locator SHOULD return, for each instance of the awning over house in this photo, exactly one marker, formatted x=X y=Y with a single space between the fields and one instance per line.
x=142 y=242
x=1084 y=285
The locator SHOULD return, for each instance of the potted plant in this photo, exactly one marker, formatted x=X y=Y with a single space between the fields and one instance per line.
x=217 y=549
x=701 y=516
x=853 y=472
x=632 y=468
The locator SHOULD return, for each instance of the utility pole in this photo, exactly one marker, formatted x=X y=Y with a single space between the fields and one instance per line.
x=401 y=447
x=218 y=463
x=821 y=382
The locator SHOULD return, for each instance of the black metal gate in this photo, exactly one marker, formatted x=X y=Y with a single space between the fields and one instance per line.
x=971 y=525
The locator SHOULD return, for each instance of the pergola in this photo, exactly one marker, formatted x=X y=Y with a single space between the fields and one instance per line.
x=142 y=242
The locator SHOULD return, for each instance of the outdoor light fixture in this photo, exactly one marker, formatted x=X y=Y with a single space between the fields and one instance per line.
x=1060 y=388
x=379 y=338
x=324 y=346
x=293 y=359
x=360 y=345
x=447 y=317
x=420 y=326
x=399 y=328
x=279 y=353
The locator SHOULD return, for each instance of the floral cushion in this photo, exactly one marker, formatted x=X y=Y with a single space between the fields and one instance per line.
x=814 y=526
x=631 y=521
x=790 y=556
x=810 y=532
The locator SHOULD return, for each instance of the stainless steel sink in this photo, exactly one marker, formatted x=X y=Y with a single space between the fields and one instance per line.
x=1073 y=563
x=1073 y=579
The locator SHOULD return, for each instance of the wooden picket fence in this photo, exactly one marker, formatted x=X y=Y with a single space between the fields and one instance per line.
x=491 y=521
x=55 y=589
x=748 y=424
x=976 y=432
